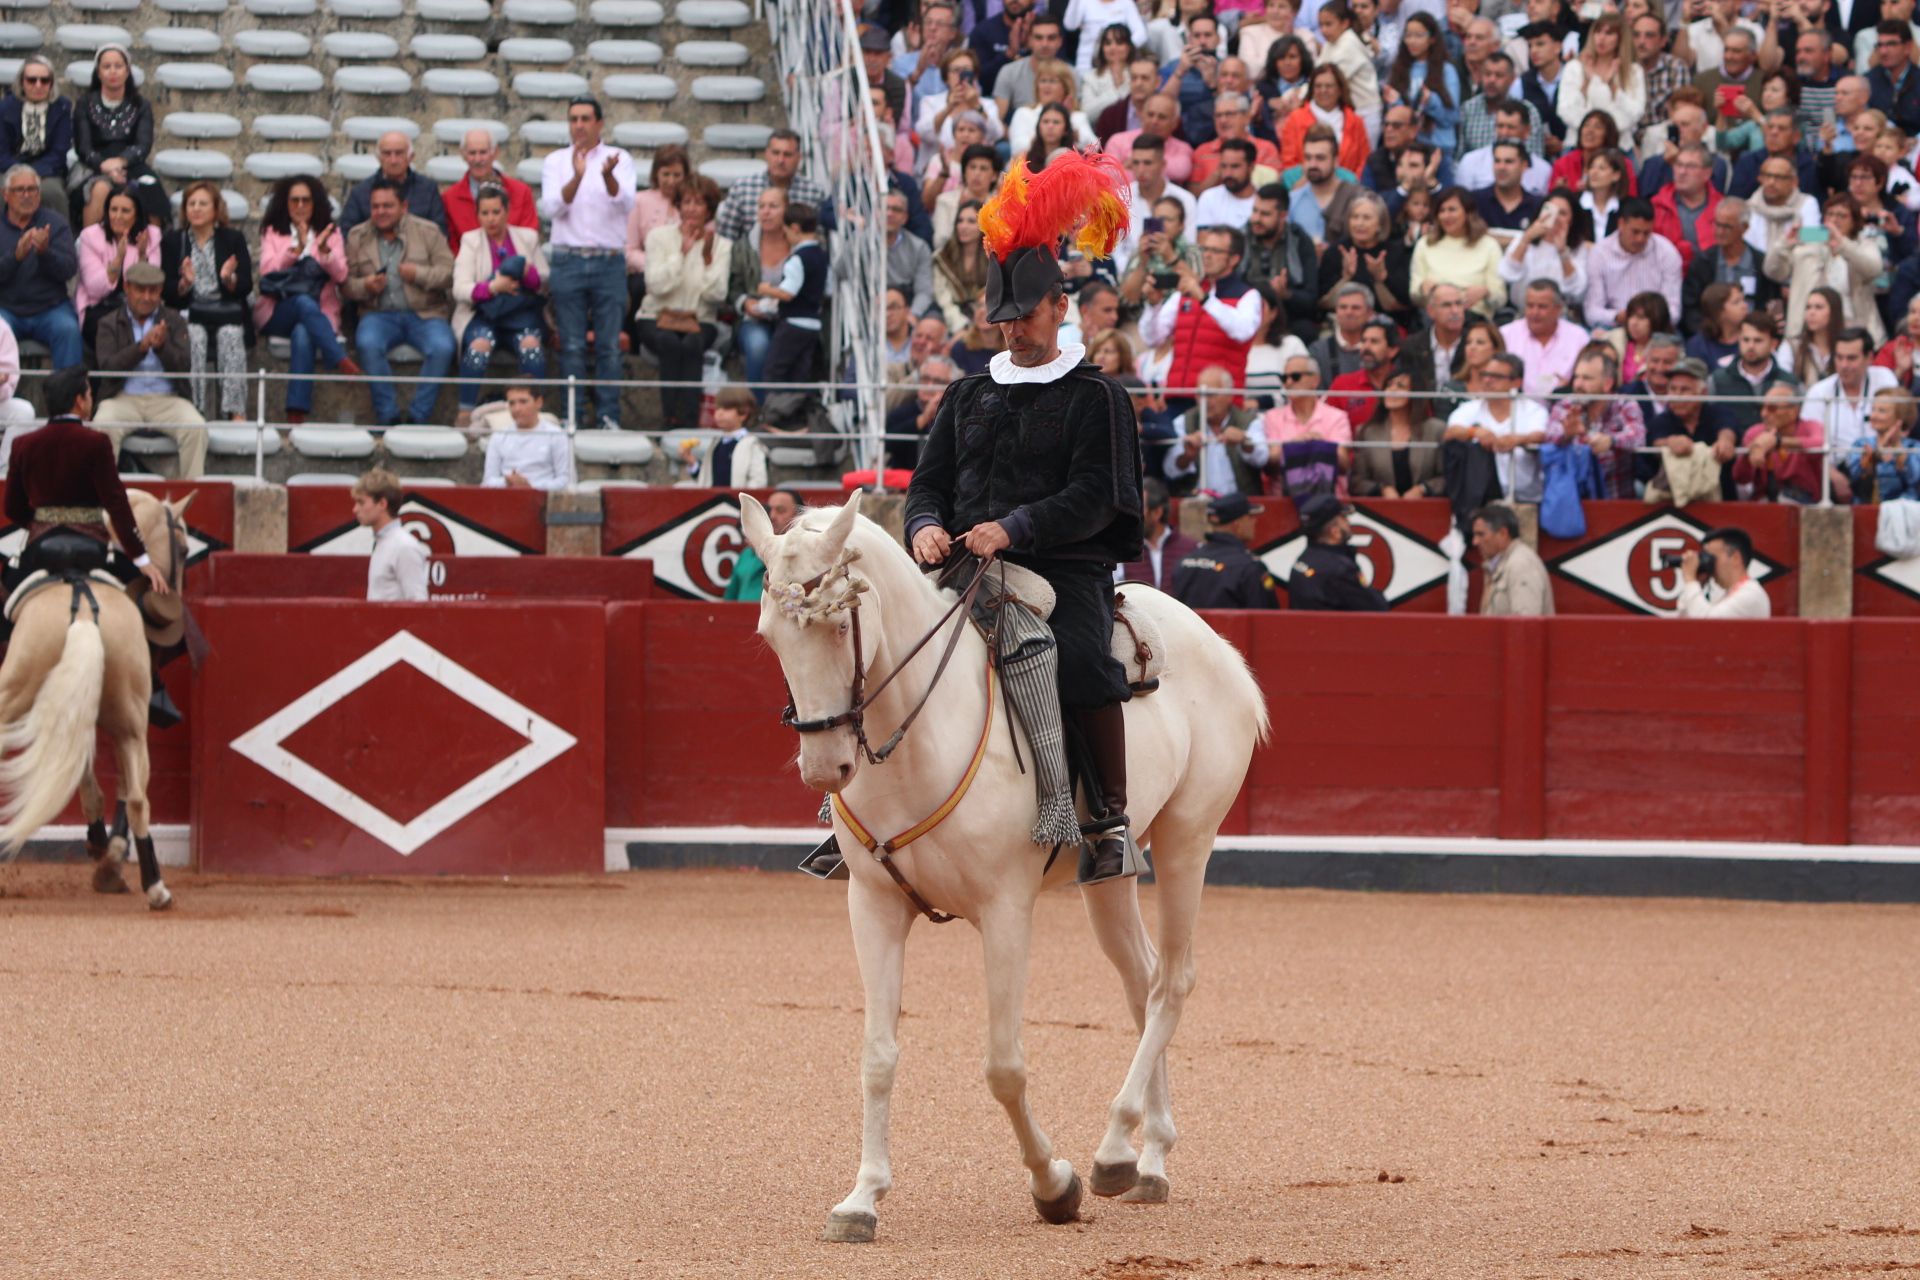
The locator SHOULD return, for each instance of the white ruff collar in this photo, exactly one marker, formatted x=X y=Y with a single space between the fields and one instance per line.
x=1007 y=373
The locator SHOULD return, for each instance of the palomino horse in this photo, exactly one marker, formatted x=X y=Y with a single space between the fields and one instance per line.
x=68 y=671
x=837 y=582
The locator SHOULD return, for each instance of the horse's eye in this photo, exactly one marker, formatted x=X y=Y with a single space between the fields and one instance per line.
x=843 y=628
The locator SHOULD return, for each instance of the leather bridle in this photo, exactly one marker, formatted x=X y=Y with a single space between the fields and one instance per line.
x=860 y=700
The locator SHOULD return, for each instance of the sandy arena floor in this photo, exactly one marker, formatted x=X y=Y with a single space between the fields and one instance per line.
x=654 y=1075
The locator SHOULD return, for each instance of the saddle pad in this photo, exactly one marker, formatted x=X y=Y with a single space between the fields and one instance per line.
x=1137 y=642
x=41 y=578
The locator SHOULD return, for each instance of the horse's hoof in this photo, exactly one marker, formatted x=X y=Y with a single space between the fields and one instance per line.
x=1063 y=1208
x=159 y=897
x=1115 y=1179
x=107 y=879
x=849 y=1228
x=1151 y=1189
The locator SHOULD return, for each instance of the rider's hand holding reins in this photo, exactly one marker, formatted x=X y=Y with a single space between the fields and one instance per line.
x=156 y=579
x=987 y=539
x=931 y=544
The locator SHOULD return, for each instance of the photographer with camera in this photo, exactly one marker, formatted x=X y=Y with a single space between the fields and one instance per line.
x=1722 y=563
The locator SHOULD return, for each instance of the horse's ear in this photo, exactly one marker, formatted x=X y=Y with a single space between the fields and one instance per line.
x=180 y=507
x=755 y=526
x=841 y=529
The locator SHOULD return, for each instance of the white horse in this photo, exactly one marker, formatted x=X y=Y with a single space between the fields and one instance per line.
x=1188 y=747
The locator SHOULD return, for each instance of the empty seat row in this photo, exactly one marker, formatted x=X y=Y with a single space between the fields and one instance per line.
x=537 y=13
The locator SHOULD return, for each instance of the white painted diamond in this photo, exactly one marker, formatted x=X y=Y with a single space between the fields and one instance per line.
x=1416 y=565
x=1625 y=566
x=1900 y=573
x=694 y=552
x=546 y=741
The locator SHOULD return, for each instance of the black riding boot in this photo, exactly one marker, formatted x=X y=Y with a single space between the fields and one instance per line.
x=1105 y=733
x=161 y=711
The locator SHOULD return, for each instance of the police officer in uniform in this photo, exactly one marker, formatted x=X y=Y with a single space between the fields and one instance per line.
x=1038 y=460
x=1327 y=574
x=63 y=488
x=1221 y=573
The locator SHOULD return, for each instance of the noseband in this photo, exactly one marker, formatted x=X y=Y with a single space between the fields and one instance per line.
x=794 y=597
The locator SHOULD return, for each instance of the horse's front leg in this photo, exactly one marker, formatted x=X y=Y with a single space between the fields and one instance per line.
x=1006 y=933
x=132 y=754
x=881 y=917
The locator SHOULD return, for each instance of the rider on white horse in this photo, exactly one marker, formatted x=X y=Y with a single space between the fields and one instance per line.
x=1039 y=459
x=63 y=488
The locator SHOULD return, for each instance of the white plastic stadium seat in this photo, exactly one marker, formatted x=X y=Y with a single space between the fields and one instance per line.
x=736 y=137
x=627 y=13
x=332 y=442
x=146 y=445
x=271 y=166
x=729 y=89
x=281 y=8
x=379 y=82
x=236 y=204
x=272 y=44
x=641 y=87
x=712 y=13
x=105 y=6
x=182 y=42
x=22 y=37
x=10 y=69
x=353 y=46
x=454 y=10
x=545 y=133
x=85 y=37
x=272 y=128
x=30 y=4
x=711 y=53
x=191 y=165
x=616 y=448
x=328 y=479
x=537 y=52
x=206 y=77
x=425 y=444
x=727 y=172
x=372 y=128
x=787 y=455
x=294 y=78
x=542 y=13
x=200 y=124
x=445 y=169
x=650 y=134
x=460 y=83
x=368 y=10
x=550 y=84
x=453 y=132
x=357 y=167
x=191 y=6
x=528 y=170
x=447 y=48
x=625 y=53
x=241 y=442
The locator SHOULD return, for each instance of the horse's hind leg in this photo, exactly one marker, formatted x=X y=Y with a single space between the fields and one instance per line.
x=1180 y=874
x=1113 y=908
x=881 y=919
x=1006 y=934
x=132 y=752
x=100 y=845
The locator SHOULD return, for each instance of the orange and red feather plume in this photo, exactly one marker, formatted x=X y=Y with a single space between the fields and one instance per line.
x=1078 y=191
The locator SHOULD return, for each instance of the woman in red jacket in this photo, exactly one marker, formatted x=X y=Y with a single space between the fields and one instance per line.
x=1328 y=103
x=1598 y=133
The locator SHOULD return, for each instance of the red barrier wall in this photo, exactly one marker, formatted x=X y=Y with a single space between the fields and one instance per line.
x=690 y=536
x=1398 y=544
x=456 y=520
x=1882 y=586
x=346 y=738
x=450 y=577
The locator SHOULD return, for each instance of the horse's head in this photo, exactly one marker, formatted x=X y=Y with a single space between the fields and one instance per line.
x=806 y=618
x=163 y=527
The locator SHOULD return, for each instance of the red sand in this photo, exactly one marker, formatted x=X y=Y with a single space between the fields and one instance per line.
x=654 y=1075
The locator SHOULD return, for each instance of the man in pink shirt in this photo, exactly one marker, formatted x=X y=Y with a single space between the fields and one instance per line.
x=1544 y=340
x=1161 y=117
x=1306 y=436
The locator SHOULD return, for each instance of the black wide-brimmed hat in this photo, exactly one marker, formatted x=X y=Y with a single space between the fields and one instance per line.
x=1083 y=195
x=1021 y=283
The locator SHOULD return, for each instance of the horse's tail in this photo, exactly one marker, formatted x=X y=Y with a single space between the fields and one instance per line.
x=1263 y=724
x=50 y=749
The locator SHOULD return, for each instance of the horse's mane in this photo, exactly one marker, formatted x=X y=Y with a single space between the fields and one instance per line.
x=874 y=544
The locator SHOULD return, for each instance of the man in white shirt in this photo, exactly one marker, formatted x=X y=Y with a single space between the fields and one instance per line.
x=586 y=193
x=1509 y=426
x=533 y=453
x=397 y=570
x=1510 y=124
x=1707 y=37
x=1222 y=447
x=1147 y=161
x=1229 y=202
x=15 y=413
x=1841 y=401
x=1736 y=595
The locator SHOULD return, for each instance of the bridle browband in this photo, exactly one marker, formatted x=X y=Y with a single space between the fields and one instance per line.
x=860 y=701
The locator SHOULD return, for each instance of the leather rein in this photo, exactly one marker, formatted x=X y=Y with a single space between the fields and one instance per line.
x=855 y=717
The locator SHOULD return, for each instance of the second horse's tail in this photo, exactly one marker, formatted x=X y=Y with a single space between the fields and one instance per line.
x=49 y=750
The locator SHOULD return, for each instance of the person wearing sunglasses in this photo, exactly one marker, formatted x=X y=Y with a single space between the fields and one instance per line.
x=36 y=128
